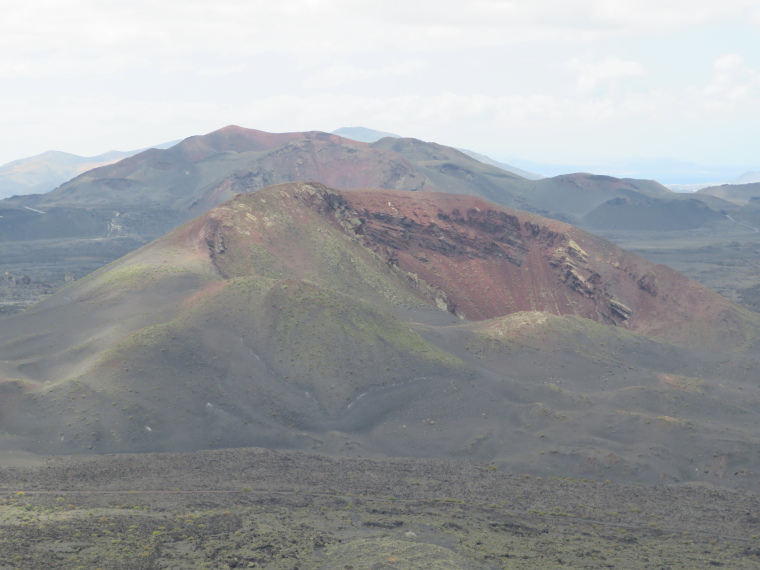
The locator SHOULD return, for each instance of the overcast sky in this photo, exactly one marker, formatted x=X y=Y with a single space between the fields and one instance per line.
x=564 y=81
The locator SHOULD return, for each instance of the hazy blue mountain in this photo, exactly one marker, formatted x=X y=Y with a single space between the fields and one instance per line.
x=44 y=172
x=502 y=165
x=158 y=189
x=690 y=175
x=363 y=134
x=737 y=193
x=664 y=170
x=747 y=178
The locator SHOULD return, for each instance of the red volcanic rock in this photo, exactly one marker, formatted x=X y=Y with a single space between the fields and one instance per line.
x=491 y=261
x=479 y=260
x=202 y=172
x=488 y=260
x=238 y=139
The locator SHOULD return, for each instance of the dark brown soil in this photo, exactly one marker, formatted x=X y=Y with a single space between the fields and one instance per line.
x=255 y=508
x=32 y=270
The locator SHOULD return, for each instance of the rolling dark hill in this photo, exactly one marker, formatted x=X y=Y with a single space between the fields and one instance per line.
x=46 y=171
x=749 y=213
x=650 y=214
x=577 y=194
x=201 y=172
x=737 y=193
x=390 y=323
x=146 y=195
x=370 y=135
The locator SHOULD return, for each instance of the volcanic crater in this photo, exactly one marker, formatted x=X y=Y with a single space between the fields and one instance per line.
x=391 y=323
x=487 y=261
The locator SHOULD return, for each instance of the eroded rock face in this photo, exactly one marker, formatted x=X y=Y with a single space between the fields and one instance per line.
x=572 y=263
x=620 y=310
x=469 y=257
x=648 y=283
x=478 y=260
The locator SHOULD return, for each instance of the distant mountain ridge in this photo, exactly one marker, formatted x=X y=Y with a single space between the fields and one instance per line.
x=363 y=134
x=156 y=189
x=44 y=172
x=370 y=135
x=128 y=203
x=747 y=178
x=737 y=193
x=676 y=173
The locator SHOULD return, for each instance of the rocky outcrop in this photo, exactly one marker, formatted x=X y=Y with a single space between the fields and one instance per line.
x=572 y=264
x=620 y=310
x=522 y=264
x=466 y=256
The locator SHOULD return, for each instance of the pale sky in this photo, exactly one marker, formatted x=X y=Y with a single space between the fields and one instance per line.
x=543 y=80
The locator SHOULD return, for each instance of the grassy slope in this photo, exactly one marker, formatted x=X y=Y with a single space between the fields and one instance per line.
x=299 y=346
x=585 y=399
x=171 y=352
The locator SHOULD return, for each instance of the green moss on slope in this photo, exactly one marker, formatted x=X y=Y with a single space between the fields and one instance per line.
x=303 y=308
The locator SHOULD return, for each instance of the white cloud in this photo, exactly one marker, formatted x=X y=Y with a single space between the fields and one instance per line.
x=635 y=16
x=479 y=67
x=592 y=74
x=732 y=82
x=341 y=74
x=407 y=114
x=727 y=64
x=171 y=28
x=482 y=121
x=54 y=64
x=184 y=66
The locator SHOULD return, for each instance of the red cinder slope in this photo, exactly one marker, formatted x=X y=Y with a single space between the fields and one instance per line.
x=489 y=260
